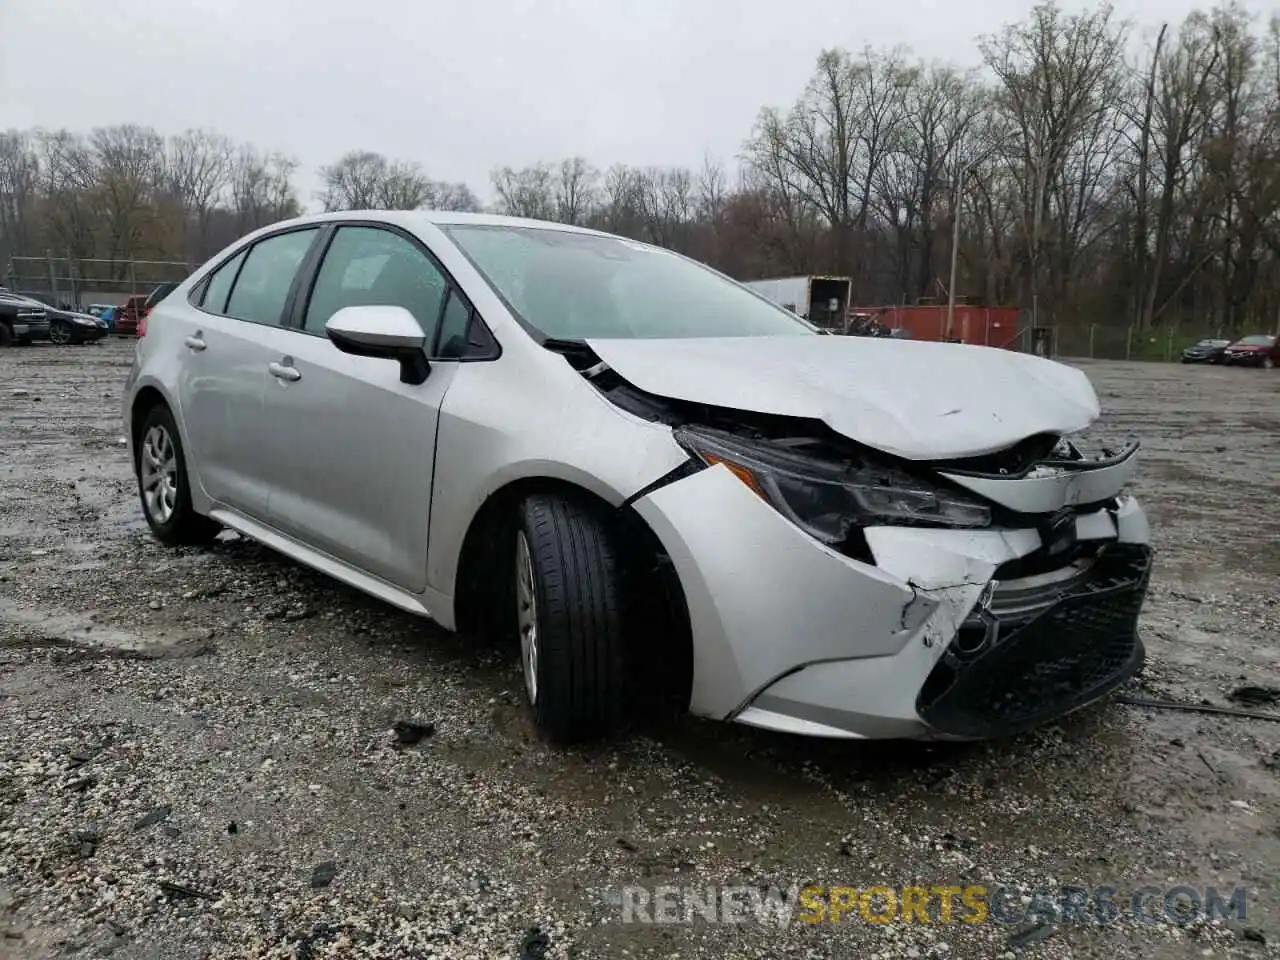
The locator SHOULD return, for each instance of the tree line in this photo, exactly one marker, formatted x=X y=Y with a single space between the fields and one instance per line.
x=1100 y=176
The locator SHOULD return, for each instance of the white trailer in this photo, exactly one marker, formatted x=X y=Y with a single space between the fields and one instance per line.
x=823 y=301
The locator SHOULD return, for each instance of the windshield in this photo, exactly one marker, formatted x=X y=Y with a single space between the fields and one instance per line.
x=1259 y=340
x=575 y=286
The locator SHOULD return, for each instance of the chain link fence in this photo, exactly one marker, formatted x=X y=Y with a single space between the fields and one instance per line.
x=75 y=283
x=1100 y=341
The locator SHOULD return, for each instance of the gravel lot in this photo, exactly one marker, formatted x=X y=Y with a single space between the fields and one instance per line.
x=197 y=756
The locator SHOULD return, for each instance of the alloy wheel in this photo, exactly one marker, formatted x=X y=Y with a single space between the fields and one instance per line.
x=60 y=334
x=527 y=616
x=158 y=471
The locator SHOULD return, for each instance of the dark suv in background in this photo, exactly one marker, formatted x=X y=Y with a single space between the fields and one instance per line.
x=22 y=320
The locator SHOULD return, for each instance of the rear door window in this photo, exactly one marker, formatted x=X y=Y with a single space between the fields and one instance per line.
x=219 y=285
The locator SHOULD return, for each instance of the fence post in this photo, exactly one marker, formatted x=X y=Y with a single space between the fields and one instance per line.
x=71 y=280
x=1091 y=329
x=53 y=278
x=1168 y=348
x=1128 y=342
x=1053 y=341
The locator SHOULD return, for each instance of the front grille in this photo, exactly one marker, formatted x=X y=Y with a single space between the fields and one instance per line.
x=1013 y=666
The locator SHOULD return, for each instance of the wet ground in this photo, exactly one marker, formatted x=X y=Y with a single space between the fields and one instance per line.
x=197 y=756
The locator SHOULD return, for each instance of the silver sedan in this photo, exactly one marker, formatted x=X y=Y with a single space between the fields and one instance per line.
x=671 y=493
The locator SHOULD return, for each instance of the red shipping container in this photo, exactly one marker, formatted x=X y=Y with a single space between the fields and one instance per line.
x=983 y=326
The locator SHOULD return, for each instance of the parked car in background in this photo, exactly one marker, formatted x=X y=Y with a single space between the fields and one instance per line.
x=664 y=489
x=103 y=311
x=71 y=326
x=1258 y=350
x=1205 y=351
x=153 y=298
x=128 y=315
x=22 y=320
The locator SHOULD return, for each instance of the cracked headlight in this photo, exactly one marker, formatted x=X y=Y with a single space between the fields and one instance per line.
x=828 y=498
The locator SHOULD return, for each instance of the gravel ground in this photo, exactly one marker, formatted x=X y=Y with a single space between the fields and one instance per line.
x=198 y=757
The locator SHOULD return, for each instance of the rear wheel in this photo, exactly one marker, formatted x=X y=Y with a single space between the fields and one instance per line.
x=569 y=612
x=6 y=335
x=163 y=483
x=1268 y=363
x=60 y=332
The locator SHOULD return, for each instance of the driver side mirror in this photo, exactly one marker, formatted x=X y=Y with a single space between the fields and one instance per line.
x=388 y=333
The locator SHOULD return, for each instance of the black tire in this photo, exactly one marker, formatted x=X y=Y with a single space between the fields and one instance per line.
x=60 y=333
x=579 y=689
x=182 y=526
x=6 y=335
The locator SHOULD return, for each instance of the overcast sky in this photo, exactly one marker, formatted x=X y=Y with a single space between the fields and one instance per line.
x=461 y=86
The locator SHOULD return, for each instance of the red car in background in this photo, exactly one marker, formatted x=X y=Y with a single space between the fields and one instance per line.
x=1259 y=350
x=131 y=317
x=128 y=315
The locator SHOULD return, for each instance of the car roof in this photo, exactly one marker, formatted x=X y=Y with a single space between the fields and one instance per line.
x=440 y=218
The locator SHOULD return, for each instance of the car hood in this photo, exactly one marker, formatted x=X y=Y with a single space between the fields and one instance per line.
x=913 y=399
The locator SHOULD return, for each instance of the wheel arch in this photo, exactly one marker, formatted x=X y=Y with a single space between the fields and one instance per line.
x=652 y=580
x=147 y=395
x=145 y=398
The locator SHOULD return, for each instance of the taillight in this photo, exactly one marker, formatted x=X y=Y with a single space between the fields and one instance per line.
x=142 y=323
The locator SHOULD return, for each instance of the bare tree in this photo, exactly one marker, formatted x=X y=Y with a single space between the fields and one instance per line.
x=528 y=192
x=453 y=196
x=262 y=190
x=1180 y=113
x=197 y=173
x=19 y=186
x=69 y=181
x=1060 y=80
x=829 y=149
x=575 y=190
x=363 y=180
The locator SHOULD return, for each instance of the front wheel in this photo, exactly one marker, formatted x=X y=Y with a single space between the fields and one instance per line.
x=568 y=599
x=163 y=483
x=60 y=333
x=1268 y=363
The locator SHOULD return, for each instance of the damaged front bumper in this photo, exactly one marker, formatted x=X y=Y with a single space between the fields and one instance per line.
x=948 y=634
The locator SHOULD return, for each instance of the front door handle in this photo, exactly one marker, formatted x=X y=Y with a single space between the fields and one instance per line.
x=196 y=343
x=282 y=371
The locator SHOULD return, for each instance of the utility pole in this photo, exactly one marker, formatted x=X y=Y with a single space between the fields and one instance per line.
x=956 y=203
x=1040 y=187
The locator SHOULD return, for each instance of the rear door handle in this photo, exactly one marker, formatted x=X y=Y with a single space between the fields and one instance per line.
x=196 y=343
x=281 y=371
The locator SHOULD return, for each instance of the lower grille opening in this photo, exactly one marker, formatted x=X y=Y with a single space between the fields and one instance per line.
x=1040 y=663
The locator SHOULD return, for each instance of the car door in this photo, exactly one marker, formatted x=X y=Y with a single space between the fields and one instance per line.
x=354 y=447
x=229 y=337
